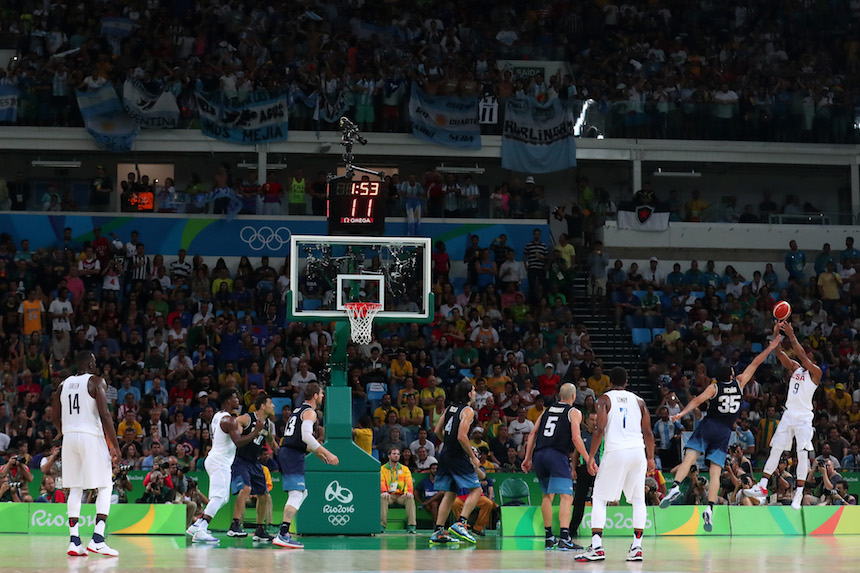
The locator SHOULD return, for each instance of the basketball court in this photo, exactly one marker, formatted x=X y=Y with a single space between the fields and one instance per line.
x=400 y=552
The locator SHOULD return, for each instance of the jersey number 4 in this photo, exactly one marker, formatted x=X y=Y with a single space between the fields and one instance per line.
x=549 y=428
x=449 y=425
x=729 y=404
x=291 y=426
x=74 y=404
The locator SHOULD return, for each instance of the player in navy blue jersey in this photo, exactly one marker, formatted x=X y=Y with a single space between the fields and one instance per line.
x=712 y=436
x=548 y=449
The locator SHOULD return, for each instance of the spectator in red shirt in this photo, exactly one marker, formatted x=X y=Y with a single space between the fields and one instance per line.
x=486 y=412
x=28 y=385
x=50 y=493
x=548 y=381
x=441 y=262
x=101 y=247
x=181 y=390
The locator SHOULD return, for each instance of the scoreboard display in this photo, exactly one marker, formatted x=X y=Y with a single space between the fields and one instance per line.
x=356 y=208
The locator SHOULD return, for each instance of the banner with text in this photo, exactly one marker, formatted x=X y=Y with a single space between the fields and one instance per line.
x=106 y=120
x=262 y=118
x=150 y=110
x=538 y=137
x=8 y=104
x=446 y=120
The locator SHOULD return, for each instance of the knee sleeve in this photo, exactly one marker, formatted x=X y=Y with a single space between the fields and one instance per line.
x=74 y=502
x=802 y=465
x=640 y=513
x=598 y=513
x=103 y=501
x=296 y=498
x=773 y=461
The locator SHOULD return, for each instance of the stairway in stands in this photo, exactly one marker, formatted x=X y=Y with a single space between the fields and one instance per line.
x=612 y=345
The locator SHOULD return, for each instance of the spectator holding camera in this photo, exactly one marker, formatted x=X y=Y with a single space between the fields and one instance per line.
x=824 y=484
x=14 y=477
x=121 y=484
x=158 y=486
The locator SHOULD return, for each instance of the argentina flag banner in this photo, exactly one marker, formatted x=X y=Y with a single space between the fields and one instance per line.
x=446 y=120
x=106 y=120
x=262 y=118
x=538 y=137
x=8 y=103
x=149 y=110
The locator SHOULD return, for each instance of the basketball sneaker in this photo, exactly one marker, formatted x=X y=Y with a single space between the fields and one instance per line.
x=591 y=554
x=204 y=536
x=192 y=529
x=441 y=537
x=635 y=554
x=797 y=500
x=708 y=519
x=461 y=530
x=411 y=530
x=262 y=535
x=287 y=541
x=671 y=496
x=102 y=549
x=236 y=531
x=76 y=550
x=551 y=543
x=756 y=491
x=568 y=545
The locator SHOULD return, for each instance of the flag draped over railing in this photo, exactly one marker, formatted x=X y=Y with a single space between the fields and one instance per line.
x=150 y=110
x=538 y=137
x=261 y=118
x=106 y=120
x=446 y=120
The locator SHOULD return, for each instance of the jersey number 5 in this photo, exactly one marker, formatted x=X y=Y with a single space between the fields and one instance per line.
x=291 y=426
x=549 y=429
x=74 y=404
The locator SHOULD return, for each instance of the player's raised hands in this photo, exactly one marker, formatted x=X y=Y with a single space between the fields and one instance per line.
x=787 y=328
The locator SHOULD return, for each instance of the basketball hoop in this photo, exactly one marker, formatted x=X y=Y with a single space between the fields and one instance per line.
x=361 y=320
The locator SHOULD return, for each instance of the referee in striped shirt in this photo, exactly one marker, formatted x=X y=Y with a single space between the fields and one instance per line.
x=140 y=269
x=535 y=256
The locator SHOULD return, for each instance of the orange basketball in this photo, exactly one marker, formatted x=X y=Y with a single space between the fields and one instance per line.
x=782 y=310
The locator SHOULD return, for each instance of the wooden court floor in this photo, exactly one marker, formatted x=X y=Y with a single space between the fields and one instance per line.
x=397 y=552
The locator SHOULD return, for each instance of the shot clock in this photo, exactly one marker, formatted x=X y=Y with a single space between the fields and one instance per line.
x=356 y=208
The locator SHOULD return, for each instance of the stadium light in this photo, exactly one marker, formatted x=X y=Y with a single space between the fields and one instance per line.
x=460 y=170
x=661 y=173
x=55 y=164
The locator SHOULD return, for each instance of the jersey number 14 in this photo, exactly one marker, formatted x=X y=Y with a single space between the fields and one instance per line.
x=74 y=404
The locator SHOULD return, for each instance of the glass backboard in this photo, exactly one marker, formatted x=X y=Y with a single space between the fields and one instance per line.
x=327 y=272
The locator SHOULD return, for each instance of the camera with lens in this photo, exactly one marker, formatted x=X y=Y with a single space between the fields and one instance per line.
x=190 y=482
x=14 y=484
x=164 y=466
x=123 y=468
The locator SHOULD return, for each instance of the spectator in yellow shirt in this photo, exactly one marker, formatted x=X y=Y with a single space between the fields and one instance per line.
x=380 y=415
x=854 y=413
x=496 y=382
x=400 y=369
x=535 y=411
x=841 y=397
x=395 y=481
x=363 y=434
x=411 y=417
x=599 y=382
x=565 y=248
x=130 y=422
x=427 y=397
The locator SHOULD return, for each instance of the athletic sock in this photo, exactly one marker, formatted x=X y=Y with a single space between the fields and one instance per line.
x=235 y=524
x=676 y=484
x=637 y=539
x=799 y=491
x=763 y=482
x=75 y=539
x=547 y=532
x=99 y=533
x=711 y=505
x=73 y=528
x=462 y=520
x=285 y=529
x=200 y=522
x=596 y=541
x=565 y=533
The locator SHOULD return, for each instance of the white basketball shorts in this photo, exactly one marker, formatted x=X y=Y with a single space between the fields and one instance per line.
x=621 y=471
x=86 y=461
x=795 y=424
x=219 y=479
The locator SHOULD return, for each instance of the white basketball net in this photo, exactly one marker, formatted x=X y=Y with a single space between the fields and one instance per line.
x=361 y=320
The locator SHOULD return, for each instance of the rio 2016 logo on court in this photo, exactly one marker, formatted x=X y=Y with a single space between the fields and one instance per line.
x=339 y=514
x=43 y=518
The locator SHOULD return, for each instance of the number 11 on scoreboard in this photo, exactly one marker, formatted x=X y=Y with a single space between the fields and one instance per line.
x=355 y=207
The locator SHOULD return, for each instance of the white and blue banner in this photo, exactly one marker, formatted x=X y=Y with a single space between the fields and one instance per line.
x=8 y=103
x=149 y=110
x=262 y=118
x=538 y=137
x=331 y=109
x=446 y=120
x=115 y=29
x=106 y=120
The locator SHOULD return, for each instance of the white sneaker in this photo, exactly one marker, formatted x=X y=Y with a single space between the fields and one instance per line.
x=76 y=550
x=591 y=554
x=797 y=501
x=756 y=491
x=635 y=554
x=708 y=519
x=204 y=536
x=102 y=549
x=671 y=496
x=192 y=529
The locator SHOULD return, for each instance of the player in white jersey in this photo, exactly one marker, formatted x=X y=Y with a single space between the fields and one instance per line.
x=796 y=421
x=85 y=422
x=624 y=429
x=226 y=435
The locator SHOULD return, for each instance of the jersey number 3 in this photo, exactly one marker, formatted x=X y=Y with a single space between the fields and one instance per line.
x=729 y=404
x=291 y=426
x=74 y=404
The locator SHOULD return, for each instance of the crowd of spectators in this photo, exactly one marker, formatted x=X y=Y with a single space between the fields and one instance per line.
x=776 y=70
x=697 y=320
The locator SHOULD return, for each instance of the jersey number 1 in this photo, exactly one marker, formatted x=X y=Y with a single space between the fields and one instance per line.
x=74 y=405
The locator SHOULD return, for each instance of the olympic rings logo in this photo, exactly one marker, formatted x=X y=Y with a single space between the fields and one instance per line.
x=265 y=237
x=335 y=491
x=338 y=520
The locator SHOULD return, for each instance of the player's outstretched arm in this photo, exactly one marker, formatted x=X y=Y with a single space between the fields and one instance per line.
x=812 y=367
x=530 y=445
x=749 y=371
x=647 y=434
x=97 y=388
x=231 y=427
x=704 y=395
x=575 y=417
x=320 y=451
